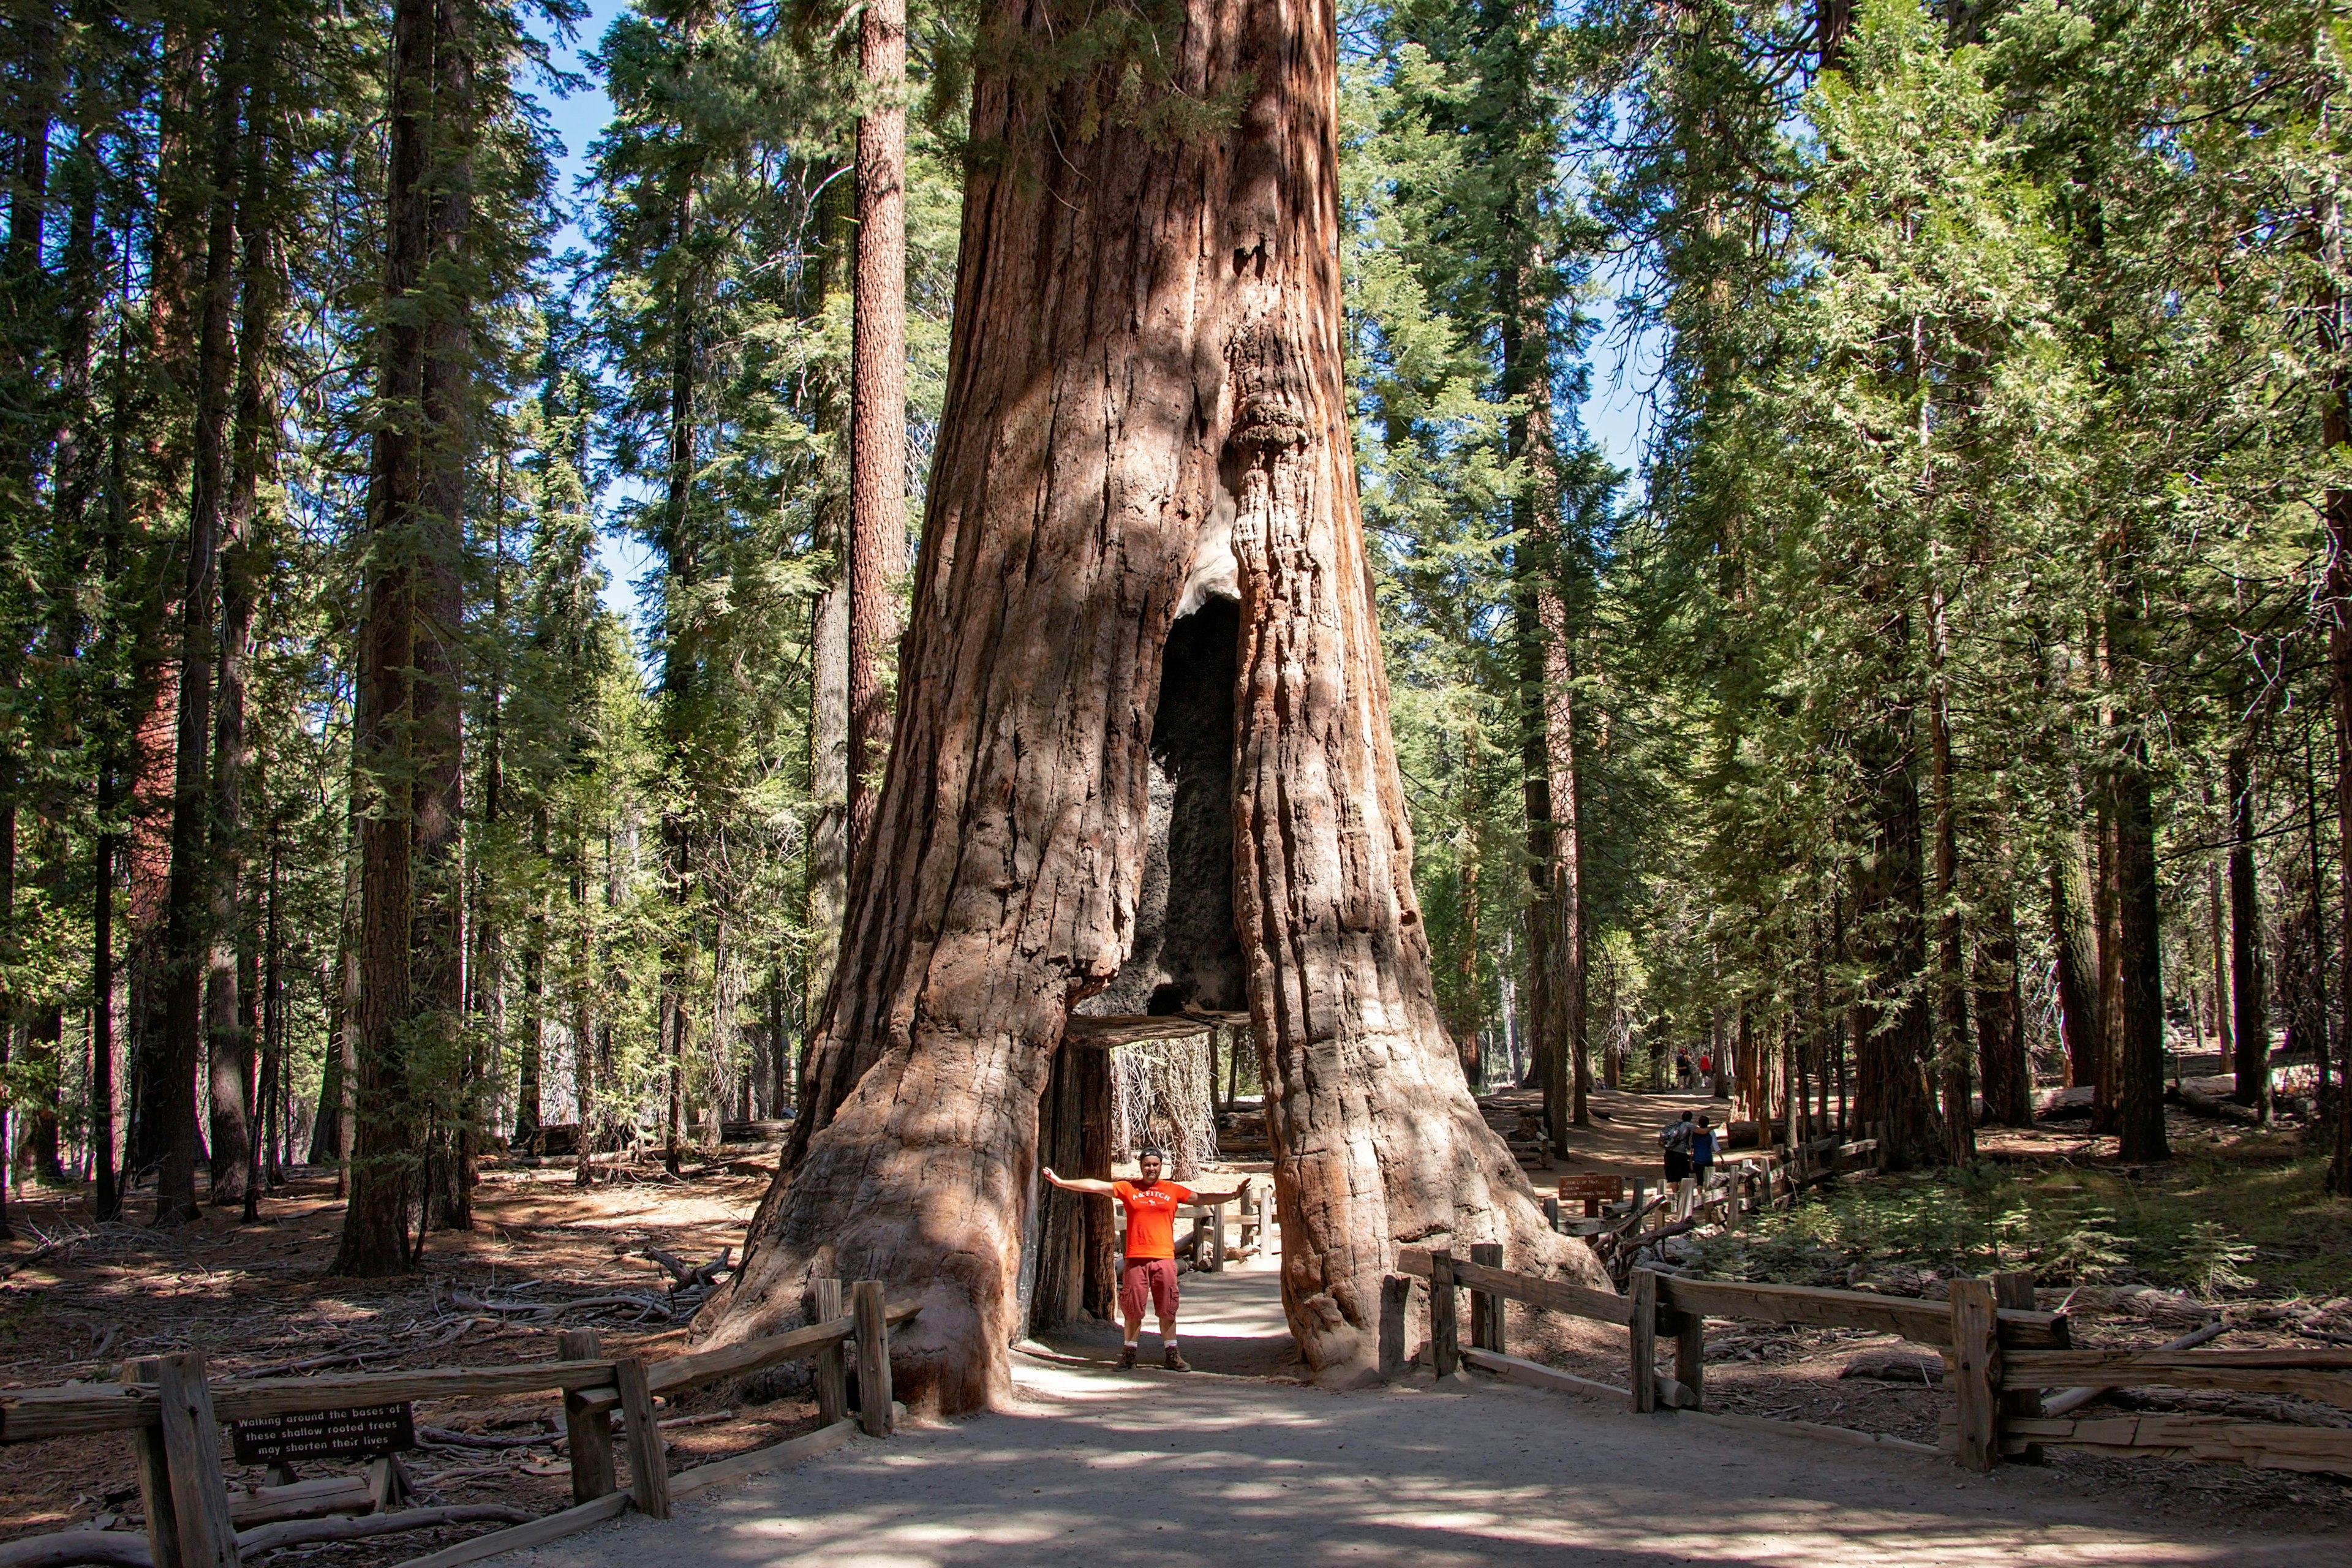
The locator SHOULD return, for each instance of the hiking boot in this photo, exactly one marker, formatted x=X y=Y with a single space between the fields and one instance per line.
x=1127 y=1357
x=1173 y=1362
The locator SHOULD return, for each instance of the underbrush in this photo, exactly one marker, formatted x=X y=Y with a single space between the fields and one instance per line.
x=2229 y=1221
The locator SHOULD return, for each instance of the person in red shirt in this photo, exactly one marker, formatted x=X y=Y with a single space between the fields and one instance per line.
x=1148 y=1272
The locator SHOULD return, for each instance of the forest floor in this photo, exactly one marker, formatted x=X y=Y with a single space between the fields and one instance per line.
x=257 y=1299
x=2232 y=1226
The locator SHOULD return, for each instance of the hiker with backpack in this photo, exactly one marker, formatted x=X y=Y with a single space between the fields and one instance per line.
x=1705 y=1144
x=1674 y=1138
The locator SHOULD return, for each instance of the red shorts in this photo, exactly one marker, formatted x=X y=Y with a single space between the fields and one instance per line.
x=1146 y=1279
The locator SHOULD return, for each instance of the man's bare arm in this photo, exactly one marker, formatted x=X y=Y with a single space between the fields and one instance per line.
x=1208 y=1199
x=1083 y=1184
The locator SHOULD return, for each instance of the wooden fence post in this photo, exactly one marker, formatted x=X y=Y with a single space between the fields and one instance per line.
x=1643 y=1300
x=1551 y=1211
x=831 y=1371
x=1444 y=1334
x=1690 y=1352
x=154 y=1478
x=588 y=1431
x=873 y=1358
x=1485 y=1307
x=2014 y=1292
x=1216 y=1238
x=1396 y=1294
x=1976 y=1372
x=192 y=1450
x=648 y=1462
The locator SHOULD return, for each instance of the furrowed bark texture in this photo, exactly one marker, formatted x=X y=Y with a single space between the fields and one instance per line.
x=1145 y=363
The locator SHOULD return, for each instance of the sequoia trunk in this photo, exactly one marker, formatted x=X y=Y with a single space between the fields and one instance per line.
x=1144 y=408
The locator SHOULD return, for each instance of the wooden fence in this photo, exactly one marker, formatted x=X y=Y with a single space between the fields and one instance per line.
x=1999 y=1352
x=171 y=1410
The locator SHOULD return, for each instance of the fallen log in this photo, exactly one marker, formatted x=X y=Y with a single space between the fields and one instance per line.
x=1896 y=1366
x=2206 y=1105
x=299 y=1500
x=128 y=1549
x=116 y=1548
x=466 y=1300
x=687 y=1277
x=2058 y=1405
x=442 y=1436
x=301 y=1532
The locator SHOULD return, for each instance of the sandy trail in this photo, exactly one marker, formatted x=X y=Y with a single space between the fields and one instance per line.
x=1106 y=1468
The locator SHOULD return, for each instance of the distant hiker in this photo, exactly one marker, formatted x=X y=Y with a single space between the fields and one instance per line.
x=1147 y=1273
x=1706 y=1065
x=1682 y=1070
x=1704 y=1144
x=1674 y=1138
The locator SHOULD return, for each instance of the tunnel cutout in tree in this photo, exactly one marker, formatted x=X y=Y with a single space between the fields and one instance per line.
x=1145 y=375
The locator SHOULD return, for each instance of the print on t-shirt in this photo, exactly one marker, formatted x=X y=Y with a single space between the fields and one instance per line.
x=1151 y=1216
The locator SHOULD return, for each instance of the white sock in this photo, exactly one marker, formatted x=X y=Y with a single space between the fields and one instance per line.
x=1130 y=1345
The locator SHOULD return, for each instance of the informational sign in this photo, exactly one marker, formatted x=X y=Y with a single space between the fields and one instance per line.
x=1593 y=1187
x=360 y=1432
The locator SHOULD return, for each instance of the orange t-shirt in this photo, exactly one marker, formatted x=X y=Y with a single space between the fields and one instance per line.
x=1150 y=1216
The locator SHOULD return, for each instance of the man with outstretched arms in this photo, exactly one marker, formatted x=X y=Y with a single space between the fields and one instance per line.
x=1148 y=1272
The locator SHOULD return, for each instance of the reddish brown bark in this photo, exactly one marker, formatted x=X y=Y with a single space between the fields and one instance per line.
x=878 y=404
x=1147 y=350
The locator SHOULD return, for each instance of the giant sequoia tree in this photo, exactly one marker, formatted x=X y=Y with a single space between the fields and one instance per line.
x=1145 y=413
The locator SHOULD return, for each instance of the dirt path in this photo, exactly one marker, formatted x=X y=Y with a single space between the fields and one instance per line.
x=1105 y=1468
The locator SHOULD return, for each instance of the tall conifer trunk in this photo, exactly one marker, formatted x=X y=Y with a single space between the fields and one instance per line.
x=2335 y=328
x=878 y=404
x=1950 y=988
x=2004 y=1065
x=405 y=734
x=229 y=1044
x=829 y=635
x=186 y=939
x=1894 y=1022
x=1146 y=372
x=2249 y=984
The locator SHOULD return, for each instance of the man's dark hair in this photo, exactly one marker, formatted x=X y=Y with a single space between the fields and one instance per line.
x=1702 y=1121
x=1688 y=1115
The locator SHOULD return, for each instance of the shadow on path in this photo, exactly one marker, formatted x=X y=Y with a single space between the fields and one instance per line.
x=1107 y=1469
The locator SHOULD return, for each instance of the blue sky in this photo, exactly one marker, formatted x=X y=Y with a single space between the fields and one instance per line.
x=1612 y=411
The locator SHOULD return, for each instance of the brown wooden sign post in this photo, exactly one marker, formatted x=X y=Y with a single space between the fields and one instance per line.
x=191 y=1449
x=1593 y=1188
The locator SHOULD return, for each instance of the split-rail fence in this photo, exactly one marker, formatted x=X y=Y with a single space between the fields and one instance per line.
x=2000 y=1354
x=171 y=1410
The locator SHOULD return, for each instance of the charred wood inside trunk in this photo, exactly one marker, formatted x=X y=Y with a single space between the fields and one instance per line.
x=1187 y=955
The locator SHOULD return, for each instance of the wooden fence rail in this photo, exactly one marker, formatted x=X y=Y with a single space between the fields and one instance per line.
x=1998 y=1351
x=172 y=1410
